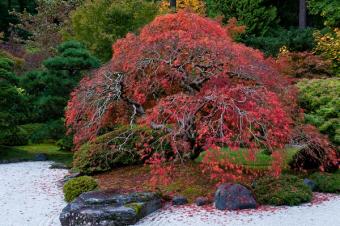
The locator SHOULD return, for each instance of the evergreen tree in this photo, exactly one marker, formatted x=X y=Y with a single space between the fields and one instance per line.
x=49 y=90
x=73 y=58
x=12 y=103
x=255 y=14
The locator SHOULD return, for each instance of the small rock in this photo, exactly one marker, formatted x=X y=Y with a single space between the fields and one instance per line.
x=233 y=197
x=179 y=200
x=40 y=157
x=310 y=183
x=201 y=201
x=58 y=165
x=253 y=184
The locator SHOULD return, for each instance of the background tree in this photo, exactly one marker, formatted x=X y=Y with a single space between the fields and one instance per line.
x=6 y=18
x=196 y=6
x=255 y=14
x=302 y=14
x=328 y=9
x=44 y=26
x=49 y=90
x=12 y=104
x=100 y=23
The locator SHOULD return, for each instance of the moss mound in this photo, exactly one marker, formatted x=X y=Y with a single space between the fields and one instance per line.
x=76 y=186
x=117 y=148
x=327 y=182
x=285 y=190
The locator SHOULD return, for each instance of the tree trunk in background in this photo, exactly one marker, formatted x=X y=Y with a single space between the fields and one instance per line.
x=302 y=14
x=172 y=4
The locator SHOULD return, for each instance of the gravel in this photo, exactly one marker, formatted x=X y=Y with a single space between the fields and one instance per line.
x=323 y=211
x=29 y=194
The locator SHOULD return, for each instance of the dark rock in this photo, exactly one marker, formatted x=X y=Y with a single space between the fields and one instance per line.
x=233 y=197
x=179 y=200
x=201 y=201
x=109 y=208
x=40 y=157
x=310 y=183
x=58 y=165
x=253 y=184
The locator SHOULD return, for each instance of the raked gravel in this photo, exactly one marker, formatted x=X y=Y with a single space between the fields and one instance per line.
x=323 y=211
x=29 y=194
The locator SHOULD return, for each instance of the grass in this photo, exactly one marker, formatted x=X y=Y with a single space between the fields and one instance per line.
x=28 y=152
x=262 y=159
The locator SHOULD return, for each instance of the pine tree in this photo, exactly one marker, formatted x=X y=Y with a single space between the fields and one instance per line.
x=12 y=102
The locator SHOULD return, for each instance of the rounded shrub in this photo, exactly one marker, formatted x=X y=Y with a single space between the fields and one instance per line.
x=327 y=182
x=285 y=190
x=76 y=186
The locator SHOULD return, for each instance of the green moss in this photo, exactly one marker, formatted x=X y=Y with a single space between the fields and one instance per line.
x=262 y=159
x=76 y=186
x=327 y=182
x=136 y=206
x=285 y=190
x=103 y=154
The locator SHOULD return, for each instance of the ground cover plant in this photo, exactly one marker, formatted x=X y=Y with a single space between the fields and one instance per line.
x=285 y=190
x=327 y=182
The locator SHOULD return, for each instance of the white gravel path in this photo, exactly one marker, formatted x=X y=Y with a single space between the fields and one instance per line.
x=325 y=211
x=29 y=195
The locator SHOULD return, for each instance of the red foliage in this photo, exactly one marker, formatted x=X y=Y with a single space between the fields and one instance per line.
x=304 y=65
x=186 y=76
x=317 y=153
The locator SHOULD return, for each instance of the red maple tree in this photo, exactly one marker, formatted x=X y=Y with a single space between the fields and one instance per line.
x=183 y=74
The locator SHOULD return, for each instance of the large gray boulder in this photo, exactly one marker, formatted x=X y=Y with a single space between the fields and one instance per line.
x=109 y=208
x=234 y=197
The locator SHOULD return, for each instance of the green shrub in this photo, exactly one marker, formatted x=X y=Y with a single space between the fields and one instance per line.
x=327 y=182
x=320 y=100
x=285 y=190
x=76 y=186
x=16 y=137
x=122 y=146
x=65 y=143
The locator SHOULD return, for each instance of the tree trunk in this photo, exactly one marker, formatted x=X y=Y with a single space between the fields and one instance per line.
x=302 y=14
x=172 y=4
